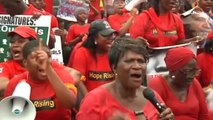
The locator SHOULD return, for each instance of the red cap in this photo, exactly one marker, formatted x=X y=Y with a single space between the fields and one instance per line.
x=210 y=35
x=24 y=31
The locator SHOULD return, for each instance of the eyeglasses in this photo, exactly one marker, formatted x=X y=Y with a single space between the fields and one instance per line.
x=193 y=72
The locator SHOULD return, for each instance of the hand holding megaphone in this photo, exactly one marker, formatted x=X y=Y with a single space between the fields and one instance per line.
x=18 y=106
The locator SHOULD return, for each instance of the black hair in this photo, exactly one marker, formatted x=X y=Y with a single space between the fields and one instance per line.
x=155 y=5
x=90 y=42
x=32 y=46
x=144 y=6
x=187 y=5
x=189 y=33
x=208 y=47
x=124 y=44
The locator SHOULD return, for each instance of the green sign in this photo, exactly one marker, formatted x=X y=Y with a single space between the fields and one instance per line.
x=9 y=23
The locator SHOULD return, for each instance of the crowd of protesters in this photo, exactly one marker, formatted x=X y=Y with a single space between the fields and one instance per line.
x=105 y=56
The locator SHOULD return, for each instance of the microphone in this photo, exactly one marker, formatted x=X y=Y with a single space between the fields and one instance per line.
x=149 y=94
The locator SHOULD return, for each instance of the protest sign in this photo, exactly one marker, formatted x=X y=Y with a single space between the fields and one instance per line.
x=56 y=53
x=67 y=9
x=9 y=23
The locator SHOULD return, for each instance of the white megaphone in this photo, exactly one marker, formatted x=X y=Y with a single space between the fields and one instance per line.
x=133 y=3
x=18 y=106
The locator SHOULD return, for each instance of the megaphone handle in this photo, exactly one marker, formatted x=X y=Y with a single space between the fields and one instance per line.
x=18 y=106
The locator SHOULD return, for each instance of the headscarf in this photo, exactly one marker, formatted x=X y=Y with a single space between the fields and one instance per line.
x=176 y=58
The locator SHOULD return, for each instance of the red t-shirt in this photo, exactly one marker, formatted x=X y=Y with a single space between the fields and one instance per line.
x=163 y=30
x=205 y=63
x=116 y=21
x=44 y=97
x=193 y=108
x=75 y=30
x=10 y=69
x=97 y=72
x=99 y=104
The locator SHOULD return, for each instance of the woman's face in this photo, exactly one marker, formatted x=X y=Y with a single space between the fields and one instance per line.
x=104 y=42
x=131 y=69
x=82 y=16
x=17 y=43
x=185 y=76
x=36 y=71
x=168 y=4
x=119 y=4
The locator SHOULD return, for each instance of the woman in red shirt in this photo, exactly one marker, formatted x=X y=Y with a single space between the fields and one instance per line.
x=91 y=59
x=122 y=99
x=121 y=21
x=78 y=30
x=205 y=62
x=158 y=25
x=179 y=89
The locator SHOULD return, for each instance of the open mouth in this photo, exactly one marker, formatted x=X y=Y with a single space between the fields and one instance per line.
x=16 y=53
x=41 y=70
x=42 y=73
x=136 y=76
